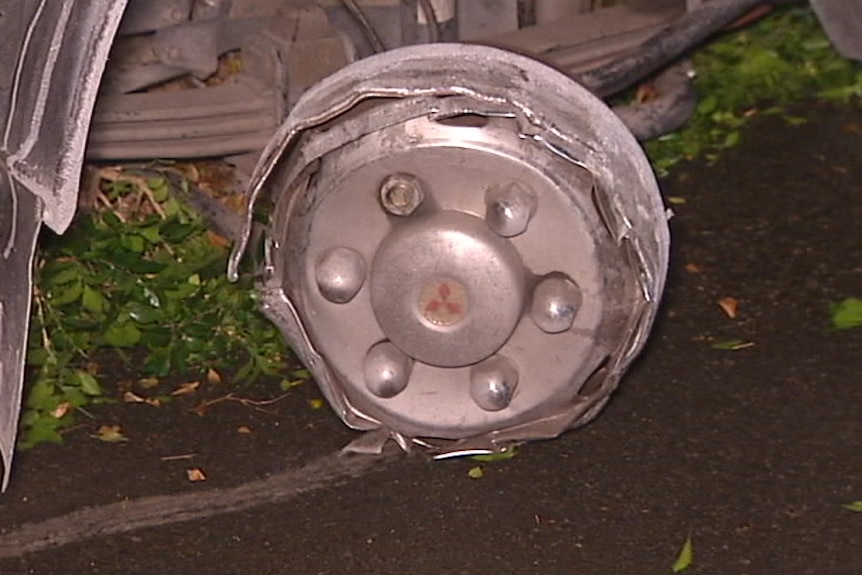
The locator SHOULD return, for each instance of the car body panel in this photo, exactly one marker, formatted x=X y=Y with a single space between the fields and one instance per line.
x=50 y=71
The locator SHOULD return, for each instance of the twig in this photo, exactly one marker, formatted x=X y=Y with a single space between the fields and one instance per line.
x=40 y=313
x=73 y=428
x=118 y=175
x=201 y=408
x=178 y=457
x=103 y=199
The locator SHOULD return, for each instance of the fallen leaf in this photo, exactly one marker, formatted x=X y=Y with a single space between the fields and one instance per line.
x=148 y=382
x=476 y=472
x=110 y=434
x=186 y=388
x=730 y=305
x=846 y=314
x=217 y=240
x=685 y=557
x=196 y=474
x=287 y=384
x=854 y=506
x=236 y=202
x=303 y=374
x=213 y=377
x=733 y=344
x=61 y=409
x=315 y=403
x=693 y=268
x=507 y=453
x=130 y=397
x=795 y=120
x=243 y=429
x=676 y=200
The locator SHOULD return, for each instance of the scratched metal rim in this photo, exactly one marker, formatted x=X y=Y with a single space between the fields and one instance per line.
x=468 y=133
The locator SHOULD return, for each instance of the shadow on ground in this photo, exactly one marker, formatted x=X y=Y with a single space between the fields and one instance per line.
x=753 y=452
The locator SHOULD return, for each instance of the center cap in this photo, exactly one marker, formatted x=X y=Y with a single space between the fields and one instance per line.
x=443 y=302
x=446 y=289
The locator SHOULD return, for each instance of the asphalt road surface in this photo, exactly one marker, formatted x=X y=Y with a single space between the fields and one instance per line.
x=752 y=452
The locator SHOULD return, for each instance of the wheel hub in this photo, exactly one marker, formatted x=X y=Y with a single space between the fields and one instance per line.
x=446 y=290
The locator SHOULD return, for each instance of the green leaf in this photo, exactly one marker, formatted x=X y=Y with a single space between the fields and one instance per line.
x=172 y=207
x=302 y=373
x=685 y=557
x=66 y=293
x=158 y=362
x=89 y=384
x=476 y=472
x=42 y=395
x=59 y=273
x=794 y=121
x=731 y=139
x=151 y=234
x=181 y=292
x=152 y=298
x=854 y=506
x=144 y=314
x=288 y=384
x=45 y=429
x=507 y=453
x=707 y=105
x=159 y=187
x=846 y=314
x=134 y=243
x=92 y=300
x=133 y=262
x=122 y=335
x=73 y=395
x=732 y=344
x=174 y=231
x=37 y=356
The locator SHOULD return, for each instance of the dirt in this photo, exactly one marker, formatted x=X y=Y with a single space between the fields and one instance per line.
x=754 y=452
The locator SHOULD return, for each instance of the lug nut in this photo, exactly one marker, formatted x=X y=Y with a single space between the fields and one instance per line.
x=340 y=273
x=555 y=303
x=508 y=208
x=401 y=194
x=386 y=370
x=493 y=382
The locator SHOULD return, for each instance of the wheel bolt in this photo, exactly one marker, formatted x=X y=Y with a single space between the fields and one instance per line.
x=386 y=369
x=555 y=303
x=401 y=194
x=508 y=208
x=340 y=273
x=493 y=382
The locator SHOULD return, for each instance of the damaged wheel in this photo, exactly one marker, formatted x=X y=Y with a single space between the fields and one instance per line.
x=466 y=247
